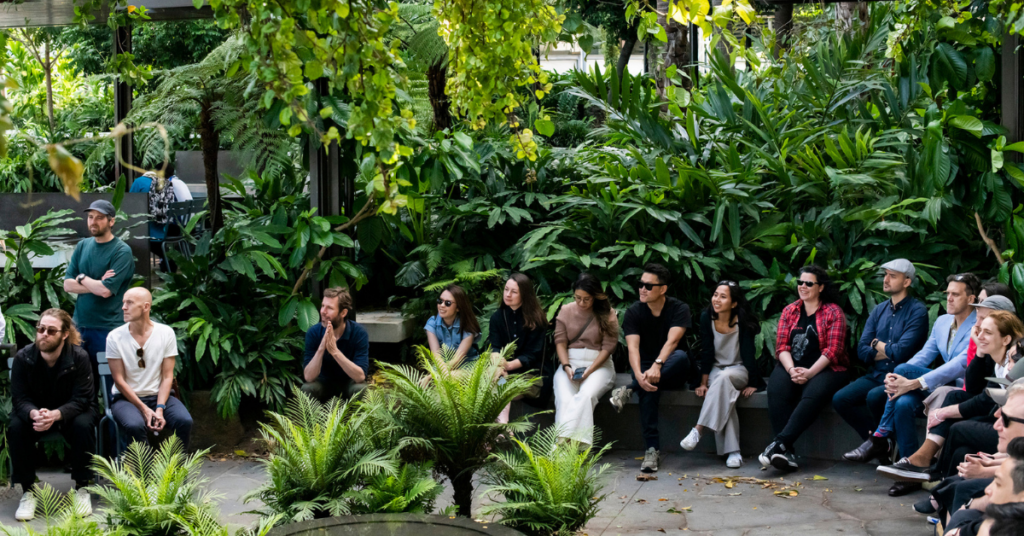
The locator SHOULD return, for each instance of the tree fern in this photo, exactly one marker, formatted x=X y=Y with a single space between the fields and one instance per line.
x=549 y=485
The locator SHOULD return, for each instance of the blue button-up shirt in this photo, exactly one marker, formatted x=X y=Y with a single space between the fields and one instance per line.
x=903 y=327
x=452 y=336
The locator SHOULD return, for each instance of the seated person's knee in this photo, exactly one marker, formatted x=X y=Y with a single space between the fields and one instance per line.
x=83 y=423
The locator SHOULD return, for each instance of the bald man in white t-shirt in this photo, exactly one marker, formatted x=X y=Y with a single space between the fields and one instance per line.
x=141 y=354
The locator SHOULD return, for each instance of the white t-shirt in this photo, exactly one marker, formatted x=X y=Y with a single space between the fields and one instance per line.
x=161 y=345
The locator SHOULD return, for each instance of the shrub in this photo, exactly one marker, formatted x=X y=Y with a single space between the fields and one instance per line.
x=412 y=489
x=549 y=486
x=149 y=488
x=319 y=453
x=60 y=513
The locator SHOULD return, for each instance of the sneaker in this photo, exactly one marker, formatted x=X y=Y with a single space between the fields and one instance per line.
x=904 y=471
x=620 y=395
x=926 y=506
x=83 y=502
x=690 y=441
x=650 y=464
x=26 y=507
x=734 y=461
x=784 y=460
x=766 y=457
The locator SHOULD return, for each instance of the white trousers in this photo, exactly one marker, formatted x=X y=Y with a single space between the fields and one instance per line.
x=719 y=410
x=575 y=402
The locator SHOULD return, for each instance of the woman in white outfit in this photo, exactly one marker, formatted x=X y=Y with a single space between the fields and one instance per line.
x=728 y=369
x=586 y=334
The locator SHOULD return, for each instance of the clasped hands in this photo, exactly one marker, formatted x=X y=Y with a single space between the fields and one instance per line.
x=43 y=419
x=800 y=375
x=897 y=386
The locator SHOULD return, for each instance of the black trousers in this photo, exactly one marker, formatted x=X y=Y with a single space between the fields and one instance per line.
x=80 y=433
x=673 y=377
x=968 y=521
x=954 y=492
x=966 y=437
x=793 y=408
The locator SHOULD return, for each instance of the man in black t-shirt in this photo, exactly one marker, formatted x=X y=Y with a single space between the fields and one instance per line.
x=653 y=326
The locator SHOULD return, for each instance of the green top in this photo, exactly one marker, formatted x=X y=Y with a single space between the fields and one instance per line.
x=93 y=260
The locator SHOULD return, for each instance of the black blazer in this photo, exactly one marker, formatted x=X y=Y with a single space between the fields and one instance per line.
x=73 y=393
x=707 y=351
x=507 y=326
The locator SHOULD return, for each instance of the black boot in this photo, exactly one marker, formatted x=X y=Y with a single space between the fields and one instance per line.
x=874 y=447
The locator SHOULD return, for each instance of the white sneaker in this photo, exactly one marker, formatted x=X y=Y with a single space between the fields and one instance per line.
x=734 y=460
x=83 y=502
x=620 y=397
x=26 y=507
x=690 y=441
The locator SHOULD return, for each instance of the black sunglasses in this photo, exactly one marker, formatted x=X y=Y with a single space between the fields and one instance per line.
x=142 y=362
x=48 y=330
x=1006 y=419
x=447 y=303
x=728 y=283
x=800 y=282
x=650 y=286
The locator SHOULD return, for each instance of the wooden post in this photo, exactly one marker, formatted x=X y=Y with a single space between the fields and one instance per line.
x=123 y=105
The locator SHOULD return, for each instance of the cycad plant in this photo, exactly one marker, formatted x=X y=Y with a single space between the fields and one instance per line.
x=451 y=418
x=549 y=485
x=413 y=489
x=60 y=513
x=203 y=522
x=318 y=453
x=149 y=488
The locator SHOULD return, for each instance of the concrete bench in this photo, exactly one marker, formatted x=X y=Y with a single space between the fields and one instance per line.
x=828 y=438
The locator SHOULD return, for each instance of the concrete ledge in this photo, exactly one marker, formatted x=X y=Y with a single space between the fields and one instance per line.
x=386 y=327
x=828 y=438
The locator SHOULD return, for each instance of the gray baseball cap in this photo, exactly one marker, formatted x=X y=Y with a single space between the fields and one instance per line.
x=999 y=395
x=999 y=303
x=902 y=266
x=103 y=207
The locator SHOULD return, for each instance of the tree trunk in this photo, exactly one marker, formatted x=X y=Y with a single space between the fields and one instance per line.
x=462 y=492
x=677 y=50
x=845 y=12
x=210 y=144
x=437 y=76
x=624 y=54
x=48 y=73
x=783 y=23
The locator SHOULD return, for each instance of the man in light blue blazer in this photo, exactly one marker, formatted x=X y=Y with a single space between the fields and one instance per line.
x=911 y=382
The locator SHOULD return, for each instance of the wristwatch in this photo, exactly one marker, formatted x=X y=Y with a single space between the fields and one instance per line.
x=79 y=278
x=659 y=362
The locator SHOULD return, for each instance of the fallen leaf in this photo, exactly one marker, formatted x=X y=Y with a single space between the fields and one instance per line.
x=646 y=478
x=642 y=501
x=730 y=484
x=673 y=511
x=857 y=489
x=662 y=500
x=818 y=477
x=735 y=494
x=661 y=530
x=241 y=453
x=640 y=458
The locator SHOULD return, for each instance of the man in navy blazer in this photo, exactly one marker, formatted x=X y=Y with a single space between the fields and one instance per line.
x=895 y=331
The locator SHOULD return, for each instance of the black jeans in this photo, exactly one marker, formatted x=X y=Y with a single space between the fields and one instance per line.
x=673 y=377
x=966 y=437
x=861 y=404
x=793 y=408
x=80 y=434
x=130 y=419
x=968 y=521
x=323 y=391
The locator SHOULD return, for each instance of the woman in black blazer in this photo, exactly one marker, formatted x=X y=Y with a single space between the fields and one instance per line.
x=728 y=369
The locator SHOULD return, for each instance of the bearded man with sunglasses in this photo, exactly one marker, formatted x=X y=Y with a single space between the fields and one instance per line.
x=654 y=326
x=52 y=390
x=141 y=354
x=337 y=356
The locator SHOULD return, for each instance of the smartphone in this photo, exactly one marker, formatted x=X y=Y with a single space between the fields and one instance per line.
x=578 y=375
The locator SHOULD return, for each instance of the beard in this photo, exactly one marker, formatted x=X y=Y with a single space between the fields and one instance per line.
x=97 y=231
x=48 y=345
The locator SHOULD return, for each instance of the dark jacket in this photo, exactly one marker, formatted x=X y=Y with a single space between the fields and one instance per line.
x=707 y=351
x=980 y=405
x=507 y=327
x=72 y=393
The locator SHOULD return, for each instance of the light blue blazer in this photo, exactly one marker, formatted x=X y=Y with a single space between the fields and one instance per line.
x=955 y=358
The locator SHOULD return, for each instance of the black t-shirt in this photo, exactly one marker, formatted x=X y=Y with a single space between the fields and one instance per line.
x=806 y=348
x=47 y=398
x=653 y=330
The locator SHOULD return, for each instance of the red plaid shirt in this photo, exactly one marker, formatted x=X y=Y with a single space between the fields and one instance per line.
x=829 y=321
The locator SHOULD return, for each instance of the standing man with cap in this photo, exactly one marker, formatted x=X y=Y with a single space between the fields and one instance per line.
x=895 y=330
x=100 y=271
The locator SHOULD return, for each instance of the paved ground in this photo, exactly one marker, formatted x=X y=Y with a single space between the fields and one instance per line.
x=851 y=502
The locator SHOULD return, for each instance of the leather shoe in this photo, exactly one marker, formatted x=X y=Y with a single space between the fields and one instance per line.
x=874 y=447
x=900 y=489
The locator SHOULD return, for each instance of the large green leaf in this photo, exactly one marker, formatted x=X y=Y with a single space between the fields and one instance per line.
x=984 y=63
x=949 y=65
x=308 y=314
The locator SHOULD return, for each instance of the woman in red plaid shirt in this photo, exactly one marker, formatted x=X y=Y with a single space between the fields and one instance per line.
x=810 y=347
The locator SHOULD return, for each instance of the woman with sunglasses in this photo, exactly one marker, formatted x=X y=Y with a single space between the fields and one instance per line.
x=996 y=338
x=728 y=369
x=455 y=326
x=586 y=334
x=519 y=319
x=810 y=348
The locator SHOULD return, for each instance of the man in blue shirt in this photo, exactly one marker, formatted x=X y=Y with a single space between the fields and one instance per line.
x=895 y=330
x=337 y=355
